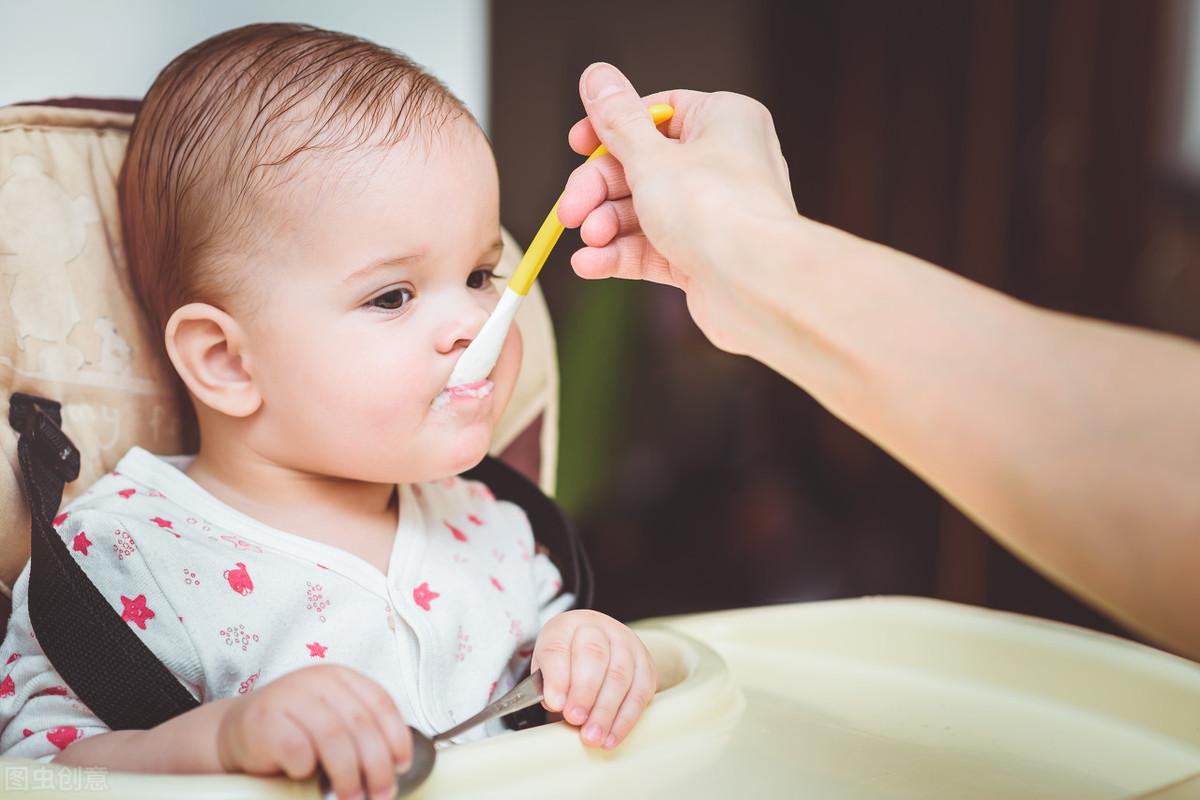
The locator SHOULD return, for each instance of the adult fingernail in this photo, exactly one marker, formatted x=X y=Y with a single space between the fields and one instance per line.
x=593 y=733
x=602 y=80
x=576 y=715
x=554 y=700
x=610 y=742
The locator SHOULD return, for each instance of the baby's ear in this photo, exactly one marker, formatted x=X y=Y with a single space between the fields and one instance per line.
x=207 y=347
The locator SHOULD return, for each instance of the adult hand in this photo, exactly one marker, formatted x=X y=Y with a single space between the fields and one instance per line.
x=682 y=209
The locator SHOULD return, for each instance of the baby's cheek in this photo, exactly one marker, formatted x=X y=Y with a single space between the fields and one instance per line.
x=508 y=368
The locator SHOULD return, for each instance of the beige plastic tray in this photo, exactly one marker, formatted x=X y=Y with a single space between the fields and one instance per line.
x=871 y=698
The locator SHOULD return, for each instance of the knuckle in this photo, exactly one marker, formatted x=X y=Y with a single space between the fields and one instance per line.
x=555 y=646
x=627 y=116
x=619 y=672
x=641 y=697
x=594 y=649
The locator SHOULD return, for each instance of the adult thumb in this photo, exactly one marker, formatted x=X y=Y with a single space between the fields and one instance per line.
x=618 y=115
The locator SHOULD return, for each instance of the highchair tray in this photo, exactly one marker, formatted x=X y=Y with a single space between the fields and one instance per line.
x=878 y=697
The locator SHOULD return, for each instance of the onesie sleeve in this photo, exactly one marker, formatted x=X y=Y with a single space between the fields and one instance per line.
x=40 y=716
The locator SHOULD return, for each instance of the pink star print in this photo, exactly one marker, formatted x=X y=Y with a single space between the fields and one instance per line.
x=475 y=519
x=462 y=537
x=82 y=543
x=60 y=519
x=136 y=610
x=13 y=658
x=127 y=493
x=423 y=596
x=7 y=687
x=316 y=649
x=166 y=524
x=496 y=583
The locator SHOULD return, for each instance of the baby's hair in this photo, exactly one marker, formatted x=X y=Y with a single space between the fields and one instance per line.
x=220 y=123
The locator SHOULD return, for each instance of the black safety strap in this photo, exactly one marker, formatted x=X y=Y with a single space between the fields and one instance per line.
x=99 y=656
x=102 y=660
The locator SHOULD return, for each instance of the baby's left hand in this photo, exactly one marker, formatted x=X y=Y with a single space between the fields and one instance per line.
x=597 y=672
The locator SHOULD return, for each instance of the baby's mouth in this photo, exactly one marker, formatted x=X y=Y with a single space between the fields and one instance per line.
x=467 y=391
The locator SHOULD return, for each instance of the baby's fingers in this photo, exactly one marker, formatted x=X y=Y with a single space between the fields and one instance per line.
x=387 y=716
x=641 y=692
x=617 y=680
x=376 y=764
x=590 y=650
x=552 y=655
x=334 y=746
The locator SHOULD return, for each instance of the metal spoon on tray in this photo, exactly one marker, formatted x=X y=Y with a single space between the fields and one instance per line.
x=424 y=748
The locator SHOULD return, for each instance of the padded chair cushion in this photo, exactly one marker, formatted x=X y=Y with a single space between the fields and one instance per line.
x=70 y=328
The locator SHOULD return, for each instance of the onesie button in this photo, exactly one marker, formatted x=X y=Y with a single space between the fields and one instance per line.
x=391 y=619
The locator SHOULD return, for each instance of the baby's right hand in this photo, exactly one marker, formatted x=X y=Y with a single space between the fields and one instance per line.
x=328 y=715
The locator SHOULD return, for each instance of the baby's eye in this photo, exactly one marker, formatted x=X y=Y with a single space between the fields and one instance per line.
x=480 y=277
x=392 y=300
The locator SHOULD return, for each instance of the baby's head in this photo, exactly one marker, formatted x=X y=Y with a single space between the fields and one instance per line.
x=311 y=222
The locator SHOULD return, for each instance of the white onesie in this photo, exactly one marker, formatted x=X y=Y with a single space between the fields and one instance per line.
x=229 y=604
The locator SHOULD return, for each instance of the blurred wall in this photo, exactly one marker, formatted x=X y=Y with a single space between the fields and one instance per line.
x=115 y=48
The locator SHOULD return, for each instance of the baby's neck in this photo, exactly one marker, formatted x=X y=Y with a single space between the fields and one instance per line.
x=350 y=514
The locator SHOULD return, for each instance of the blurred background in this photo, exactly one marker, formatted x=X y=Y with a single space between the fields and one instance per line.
x=1047 y=148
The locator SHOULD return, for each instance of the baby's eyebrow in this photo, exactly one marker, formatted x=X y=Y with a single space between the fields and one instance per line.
x=383 y=263
x=496 y=247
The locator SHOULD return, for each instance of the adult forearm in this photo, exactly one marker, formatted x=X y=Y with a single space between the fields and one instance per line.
x=186 y=744
x=1075 y=442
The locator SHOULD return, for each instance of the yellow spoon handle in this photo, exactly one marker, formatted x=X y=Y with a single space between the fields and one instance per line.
x=547 y=235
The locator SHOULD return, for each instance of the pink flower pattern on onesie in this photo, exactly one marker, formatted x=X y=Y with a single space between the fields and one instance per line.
x=237 y=635
x=481 y=606
x=241 y=544
x=124 y=544
x=464 y=646
x=248 y=684
x=316 y=600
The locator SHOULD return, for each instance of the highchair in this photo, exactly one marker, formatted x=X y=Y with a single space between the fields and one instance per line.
x=874 y=697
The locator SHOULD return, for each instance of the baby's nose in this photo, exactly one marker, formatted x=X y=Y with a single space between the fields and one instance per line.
x=461 y=327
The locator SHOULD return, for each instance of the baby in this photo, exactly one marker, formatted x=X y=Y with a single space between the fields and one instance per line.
x=312 y=224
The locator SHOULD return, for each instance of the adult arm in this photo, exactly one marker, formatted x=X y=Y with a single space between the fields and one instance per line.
x=1075 y=443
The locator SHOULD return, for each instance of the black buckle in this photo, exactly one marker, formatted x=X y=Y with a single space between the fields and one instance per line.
x=38 y=420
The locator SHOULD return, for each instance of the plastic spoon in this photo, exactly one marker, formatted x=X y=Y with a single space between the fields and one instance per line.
x=525 y=694
x=476 y=363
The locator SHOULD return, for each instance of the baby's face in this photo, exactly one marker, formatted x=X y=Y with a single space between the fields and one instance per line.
x=374 y=279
